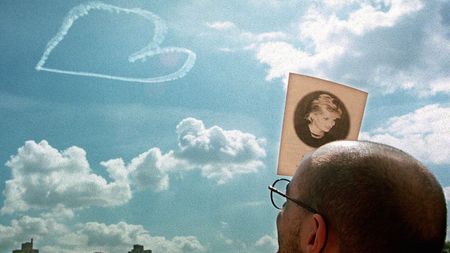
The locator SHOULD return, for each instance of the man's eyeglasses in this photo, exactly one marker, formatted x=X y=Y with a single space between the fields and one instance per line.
x=278 y=197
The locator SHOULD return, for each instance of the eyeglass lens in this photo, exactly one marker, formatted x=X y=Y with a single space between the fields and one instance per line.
x=277 y=199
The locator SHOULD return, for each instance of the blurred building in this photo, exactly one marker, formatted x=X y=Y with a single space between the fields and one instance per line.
x=139 y=249
x=26 y=248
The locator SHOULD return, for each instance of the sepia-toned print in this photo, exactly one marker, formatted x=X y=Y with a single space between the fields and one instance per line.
x=316 y=112
x=321 y=117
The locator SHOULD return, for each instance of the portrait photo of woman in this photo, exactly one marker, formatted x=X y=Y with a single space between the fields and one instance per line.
x=320 y=117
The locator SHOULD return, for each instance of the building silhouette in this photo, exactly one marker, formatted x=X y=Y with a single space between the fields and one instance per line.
x=139 y=249
x=26 y=248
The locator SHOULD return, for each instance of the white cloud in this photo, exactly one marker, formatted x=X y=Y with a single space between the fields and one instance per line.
x=440 y=85
x=325 y=28
x=59 y=213
x=221 y=25
x=120 y=237
x=54 y=237
x=267 y=241
x=369 y=17
x=423 y=133
x=283 y=57
x=203 y=145
x=147 y=170
x=264 y=244
x=384 y=45
x=26 y=227
x=44 y=178
x=219 y=154
x=325 y=37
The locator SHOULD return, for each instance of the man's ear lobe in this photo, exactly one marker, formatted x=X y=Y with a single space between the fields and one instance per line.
x=317 y=236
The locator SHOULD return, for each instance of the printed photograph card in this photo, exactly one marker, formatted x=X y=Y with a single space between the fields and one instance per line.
x=317 y=112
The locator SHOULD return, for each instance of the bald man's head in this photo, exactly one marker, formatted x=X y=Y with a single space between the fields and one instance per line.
x=375 y=198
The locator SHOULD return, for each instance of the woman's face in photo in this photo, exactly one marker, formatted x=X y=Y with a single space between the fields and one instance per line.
x=324 y=120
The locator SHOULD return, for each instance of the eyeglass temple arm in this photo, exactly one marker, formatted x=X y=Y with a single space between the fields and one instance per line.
x=300 y=203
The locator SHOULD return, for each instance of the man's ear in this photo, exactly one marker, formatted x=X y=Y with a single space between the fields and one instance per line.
x=317 y=235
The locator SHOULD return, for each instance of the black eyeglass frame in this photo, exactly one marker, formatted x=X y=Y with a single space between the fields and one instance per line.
x=296 y=201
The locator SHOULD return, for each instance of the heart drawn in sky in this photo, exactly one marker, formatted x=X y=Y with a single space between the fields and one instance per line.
x=150 y=50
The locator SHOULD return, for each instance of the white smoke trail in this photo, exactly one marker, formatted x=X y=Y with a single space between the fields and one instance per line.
x=151 y=49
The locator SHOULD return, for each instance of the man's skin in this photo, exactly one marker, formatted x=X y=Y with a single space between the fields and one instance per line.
x=302 y=231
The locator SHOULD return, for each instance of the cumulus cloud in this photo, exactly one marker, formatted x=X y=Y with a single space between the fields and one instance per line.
x=53 y=236
x=325 y=36
x=147 y=170
x=220 y=154
x=60 y=181
x=26 y=227
x=43 y=177
x=266 y=243
x=367 y=16
x=59 y=213
x=283 y=57
x=423 y=133
x=120 y=237
x=385 y=45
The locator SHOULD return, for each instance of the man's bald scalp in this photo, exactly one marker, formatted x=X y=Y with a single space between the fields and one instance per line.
x=376 y=198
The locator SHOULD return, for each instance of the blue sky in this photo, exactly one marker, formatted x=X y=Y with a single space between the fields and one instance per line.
x=158 y=122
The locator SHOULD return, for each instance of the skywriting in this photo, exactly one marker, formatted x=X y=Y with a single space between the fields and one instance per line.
x=152 y=49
